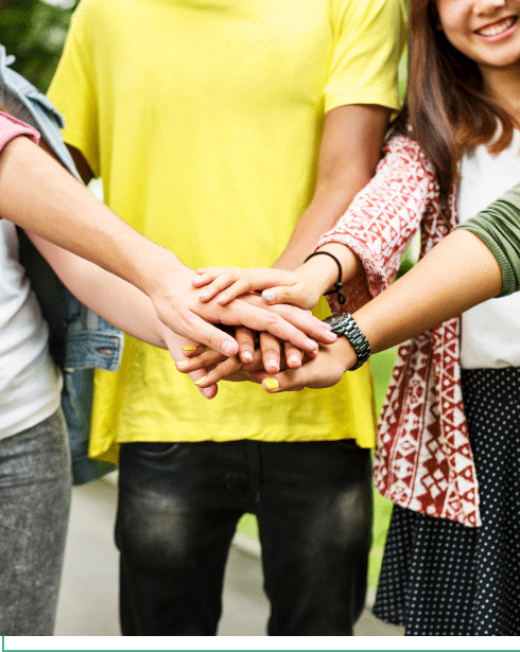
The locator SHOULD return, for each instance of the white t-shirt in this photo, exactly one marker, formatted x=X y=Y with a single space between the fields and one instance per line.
x=30 y=383
x=490 y=331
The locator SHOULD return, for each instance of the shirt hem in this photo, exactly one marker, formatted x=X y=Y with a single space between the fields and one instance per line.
x=390 y=101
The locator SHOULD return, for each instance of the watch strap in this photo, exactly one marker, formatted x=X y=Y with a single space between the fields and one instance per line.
x=346 y=325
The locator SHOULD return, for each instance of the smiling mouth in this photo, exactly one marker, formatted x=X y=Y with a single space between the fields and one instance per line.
x=498 y=28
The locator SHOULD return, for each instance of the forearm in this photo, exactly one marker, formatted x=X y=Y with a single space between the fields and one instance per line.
x=38 y=194
x=329 y=203
x=457 y=274
x=349 y=152
x=119 y=302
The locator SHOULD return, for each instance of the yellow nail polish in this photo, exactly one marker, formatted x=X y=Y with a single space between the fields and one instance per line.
x=181 y=364
x=271 y=383
x=200 y=380
x=189 y=348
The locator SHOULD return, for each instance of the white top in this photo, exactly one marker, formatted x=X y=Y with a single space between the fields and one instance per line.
x=490 y=331
x=30 y=384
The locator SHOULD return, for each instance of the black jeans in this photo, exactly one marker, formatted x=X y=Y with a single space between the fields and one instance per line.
x=179 y=504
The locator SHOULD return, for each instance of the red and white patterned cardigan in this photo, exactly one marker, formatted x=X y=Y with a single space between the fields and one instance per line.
x=423 y=459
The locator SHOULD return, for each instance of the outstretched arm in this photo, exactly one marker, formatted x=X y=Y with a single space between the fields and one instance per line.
x=349 y=152
x=38 y=194
x=478 y=261
x=117 y=301
x=457 y=274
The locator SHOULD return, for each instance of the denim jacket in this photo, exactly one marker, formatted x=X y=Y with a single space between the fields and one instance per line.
x=79 y=339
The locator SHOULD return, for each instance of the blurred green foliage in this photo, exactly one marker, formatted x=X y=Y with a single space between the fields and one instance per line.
x=34 y=32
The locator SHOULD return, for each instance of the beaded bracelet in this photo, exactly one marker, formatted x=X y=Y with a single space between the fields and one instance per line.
x=338 y=286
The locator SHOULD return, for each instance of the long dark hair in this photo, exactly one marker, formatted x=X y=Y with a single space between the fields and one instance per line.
x=445 y=105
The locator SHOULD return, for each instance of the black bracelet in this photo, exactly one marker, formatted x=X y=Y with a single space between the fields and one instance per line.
x=338 y=286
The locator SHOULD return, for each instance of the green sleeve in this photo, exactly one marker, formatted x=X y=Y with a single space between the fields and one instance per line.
x=499 y=229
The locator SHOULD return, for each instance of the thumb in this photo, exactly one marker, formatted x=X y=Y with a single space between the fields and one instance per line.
x=289 y=380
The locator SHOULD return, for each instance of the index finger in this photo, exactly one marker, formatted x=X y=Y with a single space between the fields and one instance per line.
x=208 y=334
x=303 y=320
x=240 y=312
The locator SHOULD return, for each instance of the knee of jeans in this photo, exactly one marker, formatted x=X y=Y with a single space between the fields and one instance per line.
x=356 y=524
x=345 y=525
x=154 y=525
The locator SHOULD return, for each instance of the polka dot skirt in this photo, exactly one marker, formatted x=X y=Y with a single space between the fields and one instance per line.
x=440 y=578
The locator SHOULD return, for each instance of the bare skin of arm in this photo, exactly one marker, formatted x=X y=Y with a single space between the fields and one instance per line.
x=39 y=195
x=117 y=301
x=349 y=152
x=456 y=275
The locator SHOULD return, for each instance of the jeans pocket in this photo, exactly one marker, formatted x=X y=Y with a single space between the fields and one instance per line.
x=152 y=449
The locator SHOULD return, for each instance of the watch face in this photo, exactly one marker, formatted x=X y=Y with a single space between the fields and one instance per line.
x=333 y=320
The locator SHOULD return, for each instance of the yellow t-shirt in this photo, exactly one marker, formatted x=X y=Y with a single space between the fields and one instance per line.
x=203 y=117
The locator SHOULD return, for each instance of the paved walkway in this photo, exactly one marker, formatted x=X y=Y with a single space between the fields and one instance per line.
x=88 y=600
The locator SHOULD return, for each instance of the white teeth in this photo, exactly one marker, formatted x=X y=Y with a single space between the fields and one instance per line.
x=497 y=29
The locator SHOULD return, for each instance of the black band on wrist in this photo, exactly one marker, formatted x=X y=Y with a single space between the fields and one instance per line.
x=338 y=286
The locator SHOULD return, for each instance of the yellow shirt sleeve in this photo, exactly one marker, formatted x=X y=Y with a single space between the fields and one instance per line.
x=369 y=40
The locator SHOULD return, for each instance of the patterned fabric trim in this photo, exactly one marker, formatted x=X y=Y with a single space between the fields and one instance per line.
x=423 y=459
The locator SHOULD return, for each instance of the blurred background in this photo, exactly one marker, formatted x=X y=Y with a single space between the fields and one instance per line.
x=34 y=31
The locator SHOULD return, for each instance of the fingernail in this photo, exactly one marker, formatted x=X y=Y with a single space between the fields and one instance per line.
x=312 y=344
x=227 y=348
x=268 y=296
x=272 y=367
x=200 y=380
x=189 y=348
x=203 y=294
x=221 y=298
x=181 y=364
x=294 y=359
x=271 y=383
x=247 y=356
x=196 y=279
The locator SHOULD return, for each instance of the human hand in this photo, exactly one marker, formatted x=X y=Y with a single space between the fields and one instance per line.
x=177 y=346
x=279 y=286
x=271 y=350
x=265 y=354
x=325 y=370
x=178 y=307
x=213 y=367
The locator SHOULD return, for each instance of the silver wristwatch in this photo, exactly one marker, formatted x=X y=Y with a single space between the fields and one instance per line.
x=344 y=324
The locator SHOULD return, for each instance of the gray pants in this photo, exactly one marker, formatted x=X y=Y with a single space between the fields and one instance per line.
x=35 y=488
